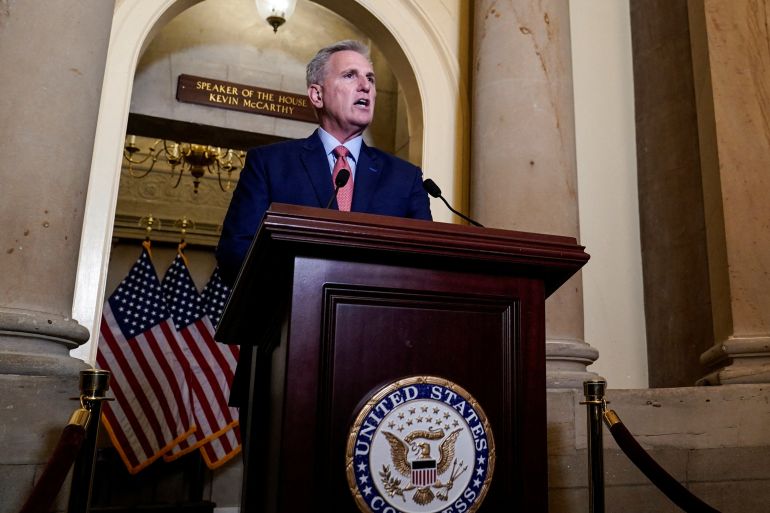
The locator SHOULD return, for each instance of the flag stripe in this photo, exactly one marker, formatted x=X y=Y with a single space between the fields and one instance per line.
x=218 y=352
x=162 y=361
x=127 y=451
x=215 y=352
x=198 y=341
x=215 y=455
x=123 y=433
x=180 y=391
x=209 y=365
x=117 y=341
x=148 y=410
x=204 y=417
x=235 y=351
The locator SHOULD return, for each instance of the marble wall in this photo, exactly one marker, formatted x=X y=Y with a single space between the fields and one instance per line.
x=733 y=95
x=52 y=76
x=523 y=167
x=672 y=218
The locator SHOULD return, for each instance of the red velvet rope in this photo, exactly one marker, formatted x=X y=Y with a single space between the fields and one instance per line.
x=47 y=487
x=672 y=488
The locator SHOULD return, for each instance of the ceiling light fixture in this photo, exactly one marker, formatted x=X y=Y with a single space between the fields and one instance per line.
x=276 y=12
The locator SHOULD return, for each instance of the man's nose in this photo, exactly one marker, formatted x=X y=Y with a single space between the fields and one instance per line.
x=364 y=84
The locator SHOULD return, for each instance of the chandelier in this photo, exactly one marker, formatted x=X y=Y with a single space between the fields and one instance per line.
x=276 y=12
x=181 y=156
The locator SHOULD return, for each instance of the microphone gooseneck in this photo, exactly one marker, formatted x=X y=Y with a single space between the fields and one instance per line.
x=342 y=179
x=434 y=190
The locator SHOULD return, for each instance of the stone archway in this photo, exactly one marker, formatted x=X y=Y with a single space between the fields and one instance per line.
x=421 y=61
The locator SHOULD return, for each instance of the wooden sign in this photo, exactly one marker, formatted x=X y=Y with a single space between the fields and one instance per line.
x=244 y=98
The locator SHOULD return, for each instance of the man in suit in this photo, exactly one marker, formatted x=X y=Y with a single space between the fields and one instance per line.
x=341 y=87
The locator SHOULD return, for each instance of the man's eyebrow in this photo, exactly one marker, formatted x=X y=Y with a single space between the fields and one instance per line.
x=354 y=69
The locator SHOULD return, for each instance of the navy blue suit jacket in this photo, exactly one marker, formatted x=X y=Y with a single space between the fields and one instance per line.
x=297 y=172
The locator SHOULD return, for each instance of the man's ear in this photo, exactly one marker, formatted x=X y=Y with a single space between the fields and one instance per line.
x=315 y=95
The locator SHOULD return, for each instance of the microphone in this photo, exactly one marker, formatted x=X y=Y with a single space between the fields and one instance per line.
x=433 y=189
x=342 y=178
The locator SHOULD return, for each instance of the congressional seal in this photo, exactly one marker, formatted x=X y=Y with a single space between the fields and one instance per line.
x=420 y=444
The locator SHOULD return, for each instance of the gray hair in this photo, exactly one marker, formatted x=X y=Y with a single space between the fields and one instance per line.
x=316 y=68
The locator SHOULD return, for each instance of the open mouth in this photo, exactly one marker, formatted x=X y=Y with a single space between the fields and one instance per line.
x=363 y=102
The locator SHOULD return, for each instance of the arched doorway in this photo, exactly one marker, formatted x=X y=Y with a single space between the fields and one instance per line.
x=421 y=60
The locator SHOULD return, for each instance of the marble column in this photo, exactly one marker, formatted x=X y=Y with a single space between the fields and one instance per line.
x=731 y=59
x=52 y=55
x=523 y=172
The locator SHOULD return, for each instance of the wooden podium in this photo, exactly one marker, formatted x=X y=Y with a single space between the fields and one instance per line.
x=338 y=304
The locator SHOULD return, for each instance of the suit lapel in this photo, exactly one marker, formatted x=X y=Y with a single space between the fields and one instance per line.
x=317 y=168
x=368 y=173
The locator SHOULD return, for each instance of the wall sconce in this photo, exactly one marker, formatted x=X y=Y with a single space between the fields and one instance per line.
x=276 y=12
x=196 y=158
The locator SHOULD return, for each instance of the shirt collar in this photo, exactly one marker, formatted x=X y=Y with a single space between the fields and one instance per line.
x=330 y=142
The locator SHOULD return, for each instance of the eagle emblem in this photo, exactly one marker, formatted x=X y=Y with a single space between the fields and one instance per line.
x=420 y=444
x=423 y=469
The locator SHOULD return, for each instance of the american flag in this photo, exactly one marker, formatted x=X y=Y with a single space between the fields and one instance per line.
x=138 y=345
x=214 y=297
x=210 y=370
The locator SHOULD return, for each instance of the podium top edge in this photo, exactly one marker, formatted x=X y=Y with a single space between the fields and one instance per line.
x=284 y=220
x=291 y=231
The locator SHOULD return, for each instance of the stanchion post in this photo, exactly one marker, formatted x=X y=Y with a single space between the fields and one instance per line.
x=94 y=384
x=594 y=400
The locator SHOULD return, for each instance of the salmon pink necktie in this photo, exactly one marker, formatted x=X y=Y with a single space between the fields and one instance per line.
x=345 y=194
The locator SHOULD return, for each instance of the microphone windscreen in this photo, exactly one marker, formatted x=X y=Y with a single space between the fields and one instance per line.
x=431 y=188
x=342 y=178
